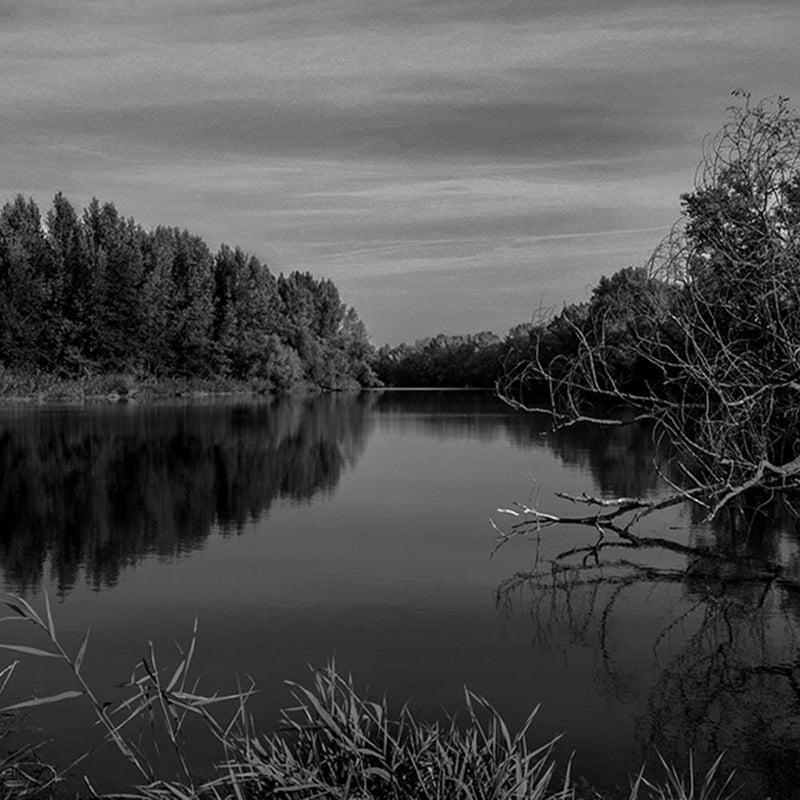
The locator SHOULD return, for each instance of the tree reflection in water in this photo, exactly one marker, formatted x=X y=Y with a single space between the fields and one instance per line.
x=95 y=489
x=720 y=669
x=89 y=492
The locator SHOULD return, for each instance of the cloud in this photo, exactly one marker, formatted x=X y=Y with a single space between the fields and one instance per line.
x=371 y=140
x=418 y=130
x=493 y=292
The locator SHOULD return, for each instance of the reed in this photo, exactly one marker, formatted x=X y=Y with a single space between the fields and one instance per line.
x=331 y=743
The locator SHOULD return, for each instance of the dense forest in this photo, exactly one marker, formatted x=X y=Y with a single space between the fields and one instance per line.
x=96 y=293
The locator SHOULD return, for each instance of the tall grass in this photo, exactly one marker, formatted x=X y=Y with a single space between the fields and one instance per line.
x=332 y=743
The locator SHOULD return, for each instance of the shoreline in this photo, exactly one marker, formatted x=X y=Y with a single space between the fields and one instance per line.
x=41 y=389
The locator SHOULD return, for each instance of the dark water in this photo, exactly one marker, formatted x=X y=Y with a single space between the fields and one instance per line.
x=357 y=527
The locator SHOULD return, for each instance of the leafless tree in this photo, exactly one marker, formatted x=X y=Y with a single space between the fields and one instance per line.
x=705 y=341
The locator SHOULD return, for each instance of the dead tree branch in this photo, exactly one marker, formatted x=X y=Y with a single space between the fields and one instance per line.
x=704 y=340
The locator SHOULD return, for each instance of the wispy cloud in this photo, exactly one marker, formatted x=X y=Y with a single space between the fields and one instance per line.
x=372 y=140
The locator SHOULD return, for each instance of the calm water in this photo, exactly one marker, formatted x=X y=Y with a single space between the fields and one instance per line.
x=357 y=527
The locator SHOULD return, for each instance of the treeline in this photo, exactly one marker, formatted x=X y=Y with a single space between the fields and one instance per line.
x=616 y=318
x=480 y=360
x=442 y=361
x=97 y=293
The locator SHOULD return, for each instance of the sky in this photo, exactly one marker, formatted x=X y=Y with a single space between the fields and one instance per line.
x=452 y=165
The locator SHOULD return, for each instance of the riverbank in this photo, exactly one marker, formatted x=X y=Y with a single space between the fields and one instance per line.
x=42 y=387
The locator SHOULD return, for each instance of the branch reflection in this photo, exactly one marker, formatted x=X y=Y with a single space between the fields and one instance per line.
x=714 y=649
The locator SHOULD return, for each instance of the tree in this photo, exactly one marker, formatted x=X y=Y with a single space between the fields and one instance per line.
x=245 y=306
x=98 y=293
x=282 y=365
x=25 y=267
x=713 y=329
x=70 y=286
x=451 y=361
x=327 y=335
x=356 y=351
x=157 y=293
x=115 y=313
x=191 y=306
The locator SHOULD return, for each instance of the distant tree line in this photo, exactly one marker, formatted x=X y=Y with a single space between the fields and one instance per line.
x=97 y=293
x=615 y=314
x=481 y=359
x=442 y=361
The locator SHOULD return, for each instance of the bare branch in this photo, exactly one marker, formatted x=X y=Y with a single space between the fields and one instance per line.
x=705 y=340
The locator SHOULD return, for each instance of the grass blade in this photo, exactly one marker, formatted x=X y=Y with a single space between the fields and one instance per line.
x=176 y=676
x=81 y=652
x=43 y=701
x=5 y=675
x=29 y=651
x=51 y=628
x=24 y=609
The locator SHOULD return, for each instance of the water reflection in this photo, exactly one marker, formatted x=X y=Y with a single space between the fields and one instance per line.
x=619 y=460
x=704 y=658
x=93 y=490
x=733 y=688
x=719 y=671
x=707 y=646
x=709 y=655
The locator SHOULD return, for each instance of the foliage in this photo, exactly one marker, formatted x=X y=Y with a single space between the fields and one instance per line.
x=442 y=361
x=332 y=743
x=97 y=294
x=484 y=360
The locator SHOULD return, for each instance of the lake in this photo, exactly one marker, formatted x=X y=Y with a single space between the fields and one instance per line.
x=357 y=527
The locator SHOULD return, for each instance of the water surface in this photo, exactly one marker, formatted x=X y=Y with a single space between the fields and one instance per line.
x=357 y=527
